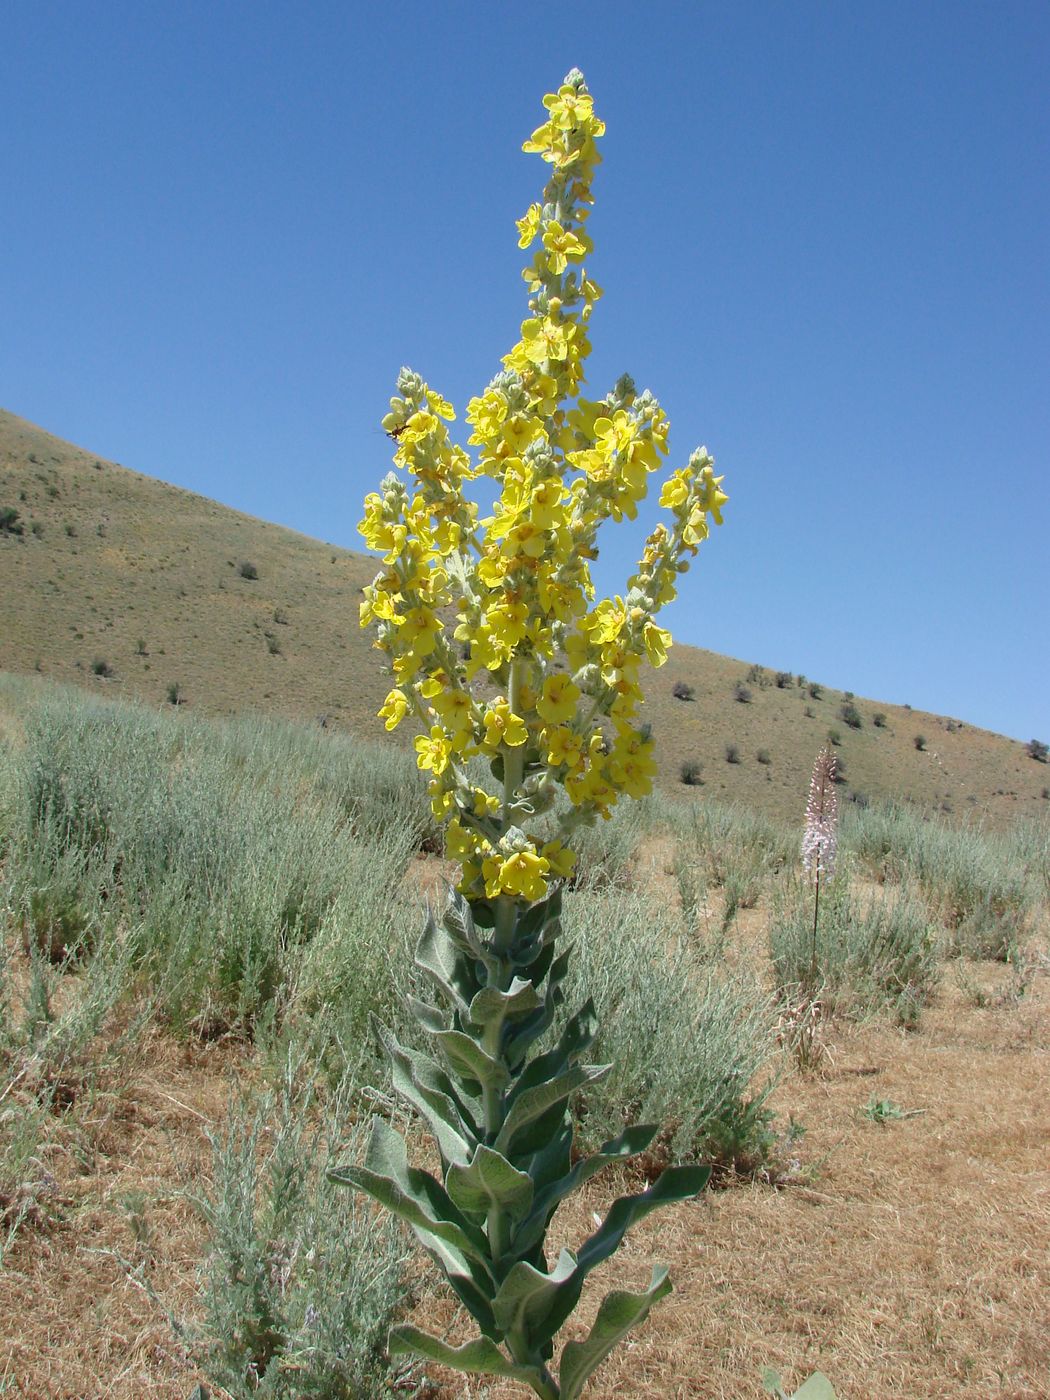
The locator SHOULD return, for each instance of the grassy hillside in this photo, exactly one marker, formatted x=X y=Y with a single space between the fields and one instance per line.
x=131 y=586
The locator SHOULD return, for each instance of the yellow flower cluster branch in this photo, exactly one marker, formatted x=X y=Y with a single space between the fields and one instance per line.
x=511 y=597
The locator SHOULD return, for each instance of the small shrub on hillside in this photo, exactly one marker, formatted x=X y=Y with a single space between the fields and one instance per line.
x=101 y=667
x=757 y=675
x=273 y=646
x=1036 y=749
x=834 y=737
x=741 y=694
x=175 y=695
x=691 y=773
x=783 y=679
x=764 y=757
x=71 y=531
x=878 y=719
x=246 y=569
x=815 y=691
x=9 y=521
x=851 y=715
x=809 y=712
x=732 y=753
x=37 y=528
x=140 y=647
x=681 y=691
x=920 y=742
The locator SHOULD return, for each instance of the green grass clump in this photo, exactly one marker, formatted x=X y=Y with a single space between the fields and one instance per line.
x=687 y=1042
x=301 y=1282
x=871 y=955
x=979 y=884
x=220 y=853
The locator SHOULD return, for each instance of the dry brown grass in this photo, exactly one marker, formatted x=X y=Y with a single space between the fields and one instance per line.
x=910 y=1259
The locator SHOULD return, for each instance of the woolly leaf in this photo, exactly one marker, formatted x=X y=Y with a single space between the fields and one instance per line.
x=489 y=1181
x=619 y=1312
x=480 y=1356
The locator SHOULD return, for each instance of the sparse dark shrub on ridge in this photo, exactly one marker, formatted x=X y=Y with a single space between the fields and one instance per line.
x=757 y=675
x=834 y=737
x=851 y=715
x=101 y=667
x=809 y=712
x=764 y=757
x=815 y=690
x=741 y=693
x=783 y=680
x=920 y=742
x=175 y=696
x=878 y=719
x=681 y=691
x=1036 y=749
x=247 y=569
x=690 y=773
x=9 y=521
x=732 y=753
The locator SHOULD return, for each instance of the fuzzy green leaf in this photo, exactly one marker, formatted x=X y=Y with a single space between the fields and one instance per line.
x=429 y=1090
x=410 y=1193
x=491 y=1004
x=531 y=1103
x=480 y=1356
x=631 y=1141
x=489 y=1181
x=675 y=1184
x=619 y=1312
x=439 y=958
x=818 y=1387
x=466 y=1058
x=527 y=1295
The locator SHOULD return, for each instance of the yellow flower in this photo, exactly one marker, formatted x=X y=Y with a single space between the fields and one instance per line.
x=564 y=748
x=560 y=859
x=503 y=726
x=657 y=640
x=395 y=707
x=529 y=225
x=561 y=245
x=433 y=750
x=521 y=874
x=557 y=705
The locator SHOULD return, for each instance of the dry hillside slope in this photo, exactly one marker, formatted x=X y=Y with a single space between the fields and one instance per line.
x=131 y=586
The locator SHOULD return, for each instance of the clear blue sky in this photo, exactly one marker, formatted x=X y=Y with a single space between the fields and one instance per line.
x=823 y=232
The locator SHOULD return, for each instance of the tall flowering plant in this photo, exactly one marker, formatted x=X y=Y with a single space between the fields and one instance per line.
x=509 y=600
